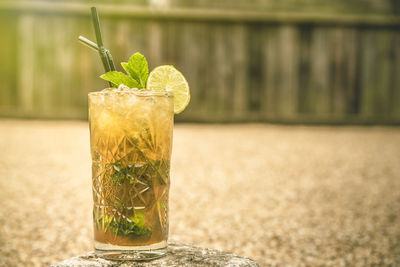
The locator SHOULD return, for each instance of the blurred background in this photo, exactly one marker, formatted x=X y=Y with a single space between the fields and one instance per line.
x=249 y=174
x=265 y=61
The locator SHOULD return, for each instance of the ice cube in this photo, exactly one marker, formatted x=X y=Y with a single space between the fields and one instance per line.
x=123 y=87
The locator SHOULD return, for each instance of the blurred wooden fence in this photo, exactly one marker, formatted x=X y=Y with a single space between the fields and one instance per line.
x=241 y=65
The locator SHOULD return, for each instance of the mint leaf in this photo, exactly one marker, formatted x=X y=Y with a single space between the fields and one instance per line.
x=133 y=227
x=137 y=68
x=118 y=78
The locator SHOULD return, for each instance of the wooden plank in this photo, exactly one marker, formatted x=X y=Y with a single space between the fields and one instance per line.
x=172 y=41
x=115 y=40
x=193 y=64
x=138 y=38
x=343 y=71
x=64 y=54
x=204 y=66
x=270 y=91
x=61 y=66
x=337 y=76
x=73 y=75
x=44 y=74
x=239 y=61
x=305 y=97
x=82 y=66
x=223 y=78
x=25 y=59
x=8 y=55
x=348 y=72
x=211 y=90
x=120 y=42
x=288 y=89
x=375 y=75
x=155 y=42
x=367 y=74
x=255 y=69
x=320 y=71
x=382 y=72
x=395 y=70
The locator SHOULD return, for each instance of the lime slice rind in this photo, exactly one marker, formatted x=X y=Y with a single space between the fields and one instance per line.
x=168 y=79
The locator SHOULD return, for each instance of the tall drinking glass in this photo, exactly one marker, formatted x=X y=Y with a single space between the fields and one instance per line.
x=131 y=142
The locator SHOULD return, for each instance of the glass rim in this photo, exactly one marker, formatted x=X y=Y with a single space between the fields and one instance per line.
x=141 y=92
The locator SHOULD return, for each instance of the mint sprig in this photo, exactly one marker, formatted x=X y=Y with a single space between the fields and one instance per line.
x=137 y=70
x=132 y=227
x=117 y=78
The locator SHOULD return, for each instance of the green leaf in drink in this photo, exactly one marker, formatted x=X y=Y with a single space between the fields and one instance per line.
x=137 y=68
x=132 y=227
x=117 y=78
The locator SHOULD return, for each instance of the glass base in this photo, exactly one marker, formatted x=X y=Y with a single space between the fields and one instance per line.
x=130 y=253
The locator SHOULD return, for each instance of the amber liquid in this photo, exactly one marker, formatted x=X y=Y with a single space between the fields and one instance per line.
x=131 y=138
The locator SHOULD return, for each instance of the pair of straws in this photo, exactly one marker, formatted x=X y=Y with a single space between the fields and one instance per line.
x=104 y=53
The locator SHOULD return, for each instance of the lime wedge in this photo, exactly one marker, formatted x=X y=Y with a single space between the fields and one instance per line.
x=168 y=79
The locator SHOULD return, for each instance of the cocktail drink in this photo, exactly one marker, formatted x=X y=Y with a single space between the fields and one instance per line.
x=131 y=139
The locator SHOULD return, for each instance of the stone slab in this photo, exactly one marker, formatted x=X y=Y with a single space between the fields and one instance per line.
x=179 y=254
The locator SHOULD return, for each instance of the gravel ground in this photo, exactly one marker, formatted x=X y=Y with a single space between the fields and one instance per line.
x=278 y=194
